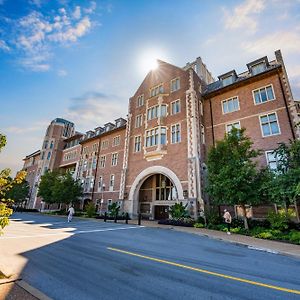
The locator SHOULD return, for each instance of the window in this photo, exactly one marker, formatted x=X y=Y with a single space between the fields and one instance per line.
x=114 y=159
x=175 y=134
x=84 y=165
x=111 y=182
x=43 y=155
x=175 y=85
x=230 y=105
x=116 y=141
x=102 y=161
x=137 y=144
x=156 y=90
x=45 y=144
x=92 y=183
x=95 y=147
x=272 y=160
x=94 y=164
x=263 y=94
x=152 y=136
x=175 y=107
x=51 y=145
x=104 y=144
x=101 y=186
x=157 y=111
x=85 y=150
x=202 y=134
x=231 y=125
x=140 y=100
x=258 y=68
x=49 y=155
x=269 y=124
x=138 y=121
x=227 y=80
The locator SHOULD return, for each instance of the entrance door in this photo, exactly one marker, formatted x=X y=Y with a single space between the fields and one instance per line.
x=161 y=212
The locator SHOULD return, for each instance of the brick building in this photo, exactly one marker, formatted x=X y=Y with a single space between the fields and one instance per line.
x=157 y=157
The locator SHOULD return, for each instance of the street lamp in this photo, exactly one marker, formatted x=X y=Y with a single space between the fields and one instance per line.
x=102 y=200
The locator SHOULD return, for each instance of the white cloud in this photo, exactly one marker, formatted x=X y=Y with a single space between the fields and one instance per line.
x=94 y=109
x=77 y=13
x=92 y=8
x=287 y=41
x=36 y=35
x=36 y=127
x=244 y=16
x=62 y=73
x=4 y=46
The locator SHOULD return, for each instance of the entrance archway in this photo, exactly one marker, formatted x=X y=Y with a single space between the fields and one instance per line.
x=153 y=191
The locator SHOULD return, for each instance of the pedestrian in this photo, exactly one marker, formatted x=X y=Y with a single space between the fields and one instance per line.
x=71 y=213
x=227 y=219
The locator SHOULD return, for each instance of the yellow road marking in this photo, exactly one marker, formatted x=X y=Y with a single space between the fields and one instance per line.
x=274 y=287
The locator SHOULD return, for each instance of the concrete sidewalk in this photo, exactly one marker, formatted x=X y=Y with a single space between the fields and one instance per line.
x=248 y=241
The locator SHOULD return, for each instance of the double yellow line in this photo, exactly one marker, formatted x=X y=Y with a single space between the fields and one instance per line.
x=274 y=287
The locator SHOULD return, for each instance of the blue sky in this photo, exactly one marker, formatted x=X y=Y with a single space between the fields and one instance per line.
x=83 y=60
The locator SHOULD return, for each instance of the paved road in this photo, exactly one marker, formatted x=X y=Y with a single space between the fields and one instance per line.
x=96 y=260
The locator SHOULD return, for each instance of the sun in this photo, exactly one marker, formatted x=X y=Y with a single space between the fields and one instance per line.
x=148 y=60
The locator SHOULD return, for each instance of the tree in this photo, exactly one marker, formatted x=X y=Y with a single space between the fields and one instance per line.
x=19 y=192
x=233 y=178
x=46 y=185
x=6 y=183
x=59 y=188
x=66 y=189
x=285 y=184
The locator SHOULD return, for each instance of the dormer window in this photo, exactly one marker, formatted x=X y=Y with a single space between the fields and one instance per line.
x=258 y=68
x=227 y=80
x=175 y=84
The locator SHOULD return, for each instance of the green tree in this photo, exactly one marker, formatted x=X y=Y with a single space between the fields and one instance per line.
x=46 y=190
x=6 y=183
x=66 y=189
x=19 y=193
x=233 y=178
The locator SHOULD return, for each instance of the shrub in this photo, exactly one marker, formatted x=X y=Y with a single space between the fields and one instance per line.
x=213 y=218
x=90 y=210
x=113 y=209
x=236 y=230
x=265 y=235
x=236 y=222
x=259 y=223
x=278 y=220
x=199 y=225
x=294 y=236
x=178 y=211
x=201 y=220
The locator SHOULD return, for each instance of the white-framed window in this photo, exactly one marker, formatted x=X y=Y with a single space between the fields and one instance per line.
x=137 y=143
x=92 y=182
x=140 y=101
x=258 y=68
x=175 y=107
x=100 y=184
x=230 y=105
x=159 y=89
x=111 y=182
x=263 y=94
x=152 y=136
x=102 y=161
x=85 y=150
x=175 y=85
x=269 y=124
x=201 y=107
x=272 y=160
x=85 y=165
x=157 y=111
x=229 y=126
x=94 y=164
x=48 y=155
x=116 y=141
x=227 y=80
x=138 y=121
x=114 y=159
x=203 y=134
x=104 y=144
x=95 y=147
x=175 y=134
x=51 y=145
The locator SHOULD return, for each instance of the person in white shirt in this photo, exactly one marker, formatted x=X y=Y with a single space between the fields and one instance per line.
x=71 y=213
x=228 y=219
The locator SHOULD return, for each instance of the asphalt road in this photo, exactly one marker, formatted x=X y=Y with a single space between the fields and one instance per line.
x=96 y=260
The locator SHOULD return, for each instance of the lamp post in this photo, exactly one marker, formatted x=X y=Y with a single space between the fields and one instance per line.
x=102 y=200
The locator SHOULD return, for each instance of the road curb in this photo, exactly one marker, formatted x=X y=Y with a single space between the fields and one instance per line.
x=32 y=290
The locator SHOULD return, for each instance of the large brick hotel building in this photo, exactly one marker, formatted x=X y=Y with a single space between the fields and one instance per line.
x=157 y=156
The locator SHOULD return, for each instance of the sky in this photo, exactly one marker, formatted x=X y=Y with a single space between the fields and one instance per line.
x=83 y=60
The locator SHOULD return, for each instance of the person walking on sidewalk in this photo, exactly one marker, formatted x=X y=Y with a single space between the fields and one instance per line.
x=228 y=219
x=71 y=213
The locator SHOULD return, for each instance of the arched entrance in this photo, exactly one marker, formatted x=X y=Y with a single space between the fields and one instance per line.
x=153 y=191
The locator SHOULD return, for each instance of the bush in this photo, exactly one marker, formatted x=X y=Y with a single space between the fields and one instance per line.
x=199 y=225
x=213 y=218
x=178 y=211
x=294 y=236
x=278 y=220
x=113 y=209
x=236 y=222
x=90 y=210
x=259 y=223
x=187 y=222
x=201 y=220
